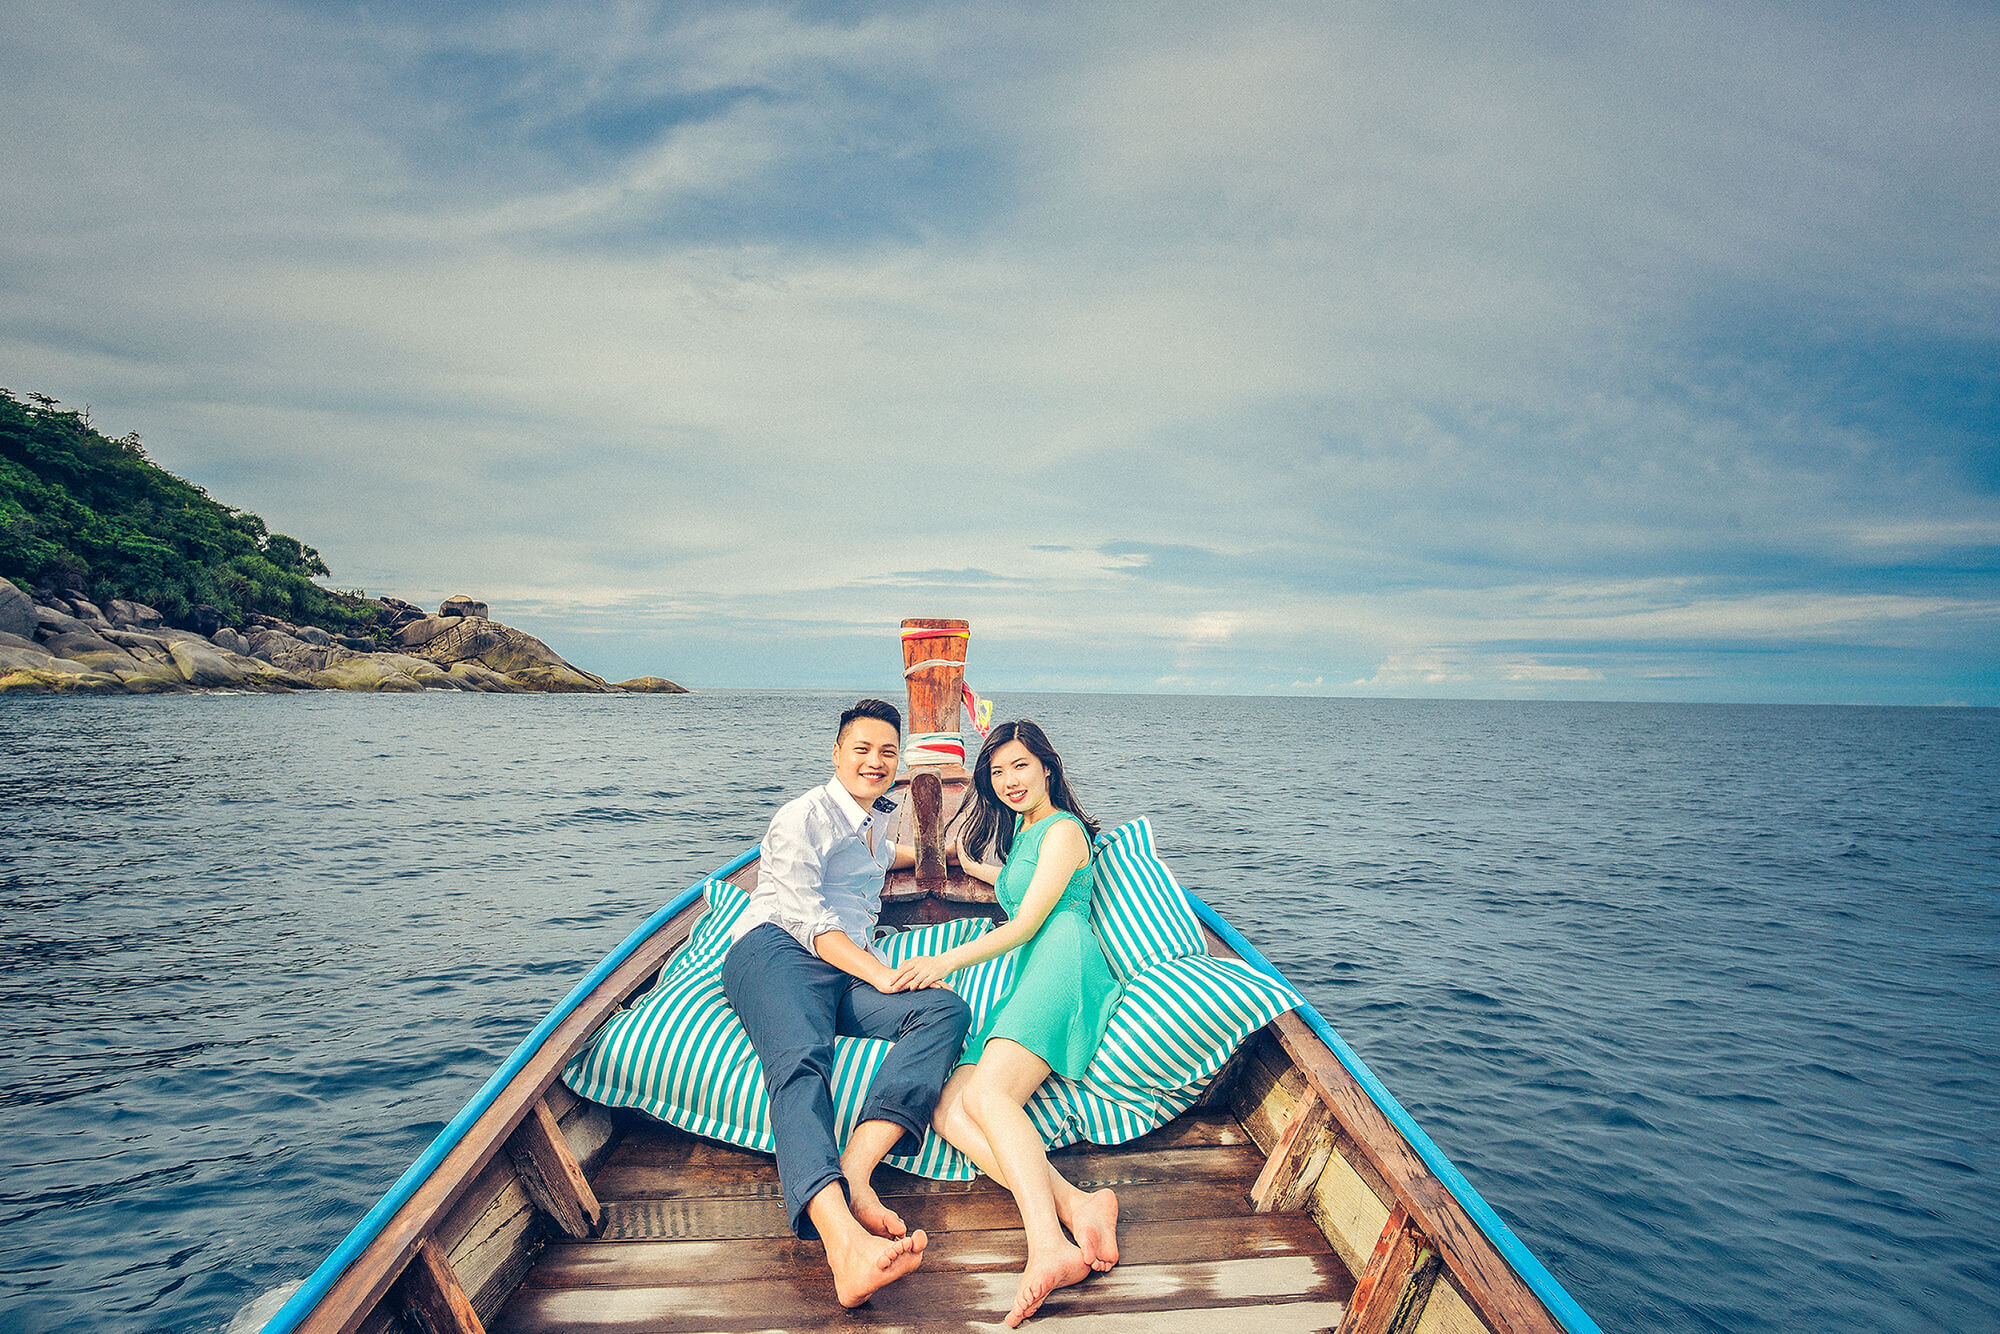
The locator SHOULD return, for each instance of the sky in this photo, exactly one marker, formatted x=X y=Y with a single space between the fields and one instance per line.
x=1622 y=351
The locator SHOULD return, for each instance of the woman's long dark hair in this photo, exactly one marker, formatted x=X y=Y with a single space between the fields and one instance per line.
x=989 y=824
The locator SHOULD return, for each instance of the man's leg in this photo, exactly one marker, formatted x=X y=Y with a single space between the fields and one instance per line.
x=928 y=1030
x=787 y=999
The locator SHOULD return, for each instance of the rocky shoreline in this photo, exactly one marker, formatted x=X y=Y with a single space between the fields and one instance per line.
x=66 y=644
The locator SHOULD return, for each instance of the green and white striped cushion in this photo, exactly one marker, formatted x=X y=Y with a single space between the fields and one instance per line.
x=1178 y=1022
x=680 y=1054
x=1139 y=909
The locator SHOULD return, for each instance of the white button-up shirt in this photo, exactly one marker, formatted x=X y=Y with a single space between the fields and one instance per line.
x=816 y=872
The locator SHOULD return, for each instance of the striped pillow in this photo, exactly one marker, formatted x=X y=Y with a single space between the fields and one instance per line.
x=680 y=1054
x=1178 y=1022
x=1141 y=913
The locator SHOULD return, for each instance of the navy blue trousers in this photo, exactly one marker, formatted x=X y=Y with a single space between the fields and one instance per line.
x=793 y=1004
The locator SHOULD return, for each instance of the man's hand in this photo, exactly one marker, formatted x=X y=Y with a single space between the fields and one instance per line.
x=835 y=948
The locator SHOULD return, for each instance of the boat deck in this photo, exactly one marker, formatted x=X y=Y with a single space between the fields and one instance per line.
x=694 y=1239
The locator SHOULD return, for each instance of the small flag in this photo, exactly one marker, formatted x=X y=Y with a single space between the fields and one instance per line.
x=980 y=709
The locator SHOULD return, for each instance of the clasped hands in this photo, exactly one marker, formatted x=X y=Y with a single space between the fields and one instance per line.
x=921 y=972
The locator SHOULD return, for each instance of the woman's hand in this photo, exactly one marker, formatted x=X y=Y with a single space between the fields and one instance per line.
x=921 y=972
x=976 y=869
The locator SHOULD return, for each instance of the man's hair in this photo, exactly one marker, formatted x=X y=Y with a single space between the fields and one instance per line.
x=879 y=709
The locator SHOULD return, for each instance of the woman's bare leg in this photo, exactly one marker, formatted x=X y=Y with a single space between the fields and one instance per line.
x=996 y=1099
x=1090 y=1216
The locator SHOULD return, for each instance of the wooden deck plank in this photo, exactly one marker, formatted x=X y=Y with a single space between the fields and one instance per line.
x=625 y=1179
x=661 y=1263
x=656 y=1144
x=730 y=1217
x=1303 y=1317
x=927 y=1298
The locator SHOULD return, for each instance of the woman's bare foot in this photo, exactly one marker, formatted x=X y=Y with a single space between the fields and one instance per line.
x=863 y=1268
x=871 y=1213
x=1044 y=1274
x=1093 y=1221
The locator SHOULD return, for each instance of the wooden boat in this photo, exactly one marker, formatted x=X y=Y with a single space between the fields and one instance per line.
x=1295 y=1194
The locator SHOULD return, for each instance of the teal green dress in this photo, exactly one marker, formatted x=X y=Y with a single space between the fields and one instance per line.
x=1063 y=991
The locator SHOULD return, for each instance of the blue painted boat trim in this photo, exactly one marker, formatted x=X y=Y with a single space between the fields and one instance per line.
x=322 y=1279
x=1539 y=1280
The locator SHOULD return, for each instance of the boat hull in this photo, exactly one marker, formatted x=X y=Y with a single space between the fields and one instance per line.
x=530 y=1182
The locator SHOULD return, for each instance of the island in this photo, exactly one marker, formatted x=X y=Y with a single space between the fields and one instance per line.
x=117 y=577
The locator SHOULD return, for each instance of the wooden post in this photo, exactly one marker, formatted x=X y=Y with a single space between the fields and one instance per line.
x=936 y=689
x=1379 y=1290
x=550 y=1174
x=934 y=671
x=432 y=1300
x=927 y=810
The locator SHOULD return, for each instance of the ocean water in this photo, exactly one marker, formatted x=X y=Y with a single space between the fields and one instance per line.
x=1705 y=1000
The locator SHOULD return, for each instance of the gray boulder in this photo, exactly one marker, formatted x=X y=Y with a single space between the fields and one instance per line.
x=362 y=671
x=267 y=643
x=54 y=621
x=424 y=629
x=399 y=612
x=473 y=676
x=421 y=670
x=82 y=646
x=37 y=672
x=558 y=679
x=142 y=647
x=652 y=685
x=293 y=655
x=289 y=653
x=489 y=643
x=133 y=615
x=203 y=664
x=315 y=636
x=524 y=661
x=462 y=606
x=16 y=658
x=17 y=611
x=231 y=640
x=87 y=611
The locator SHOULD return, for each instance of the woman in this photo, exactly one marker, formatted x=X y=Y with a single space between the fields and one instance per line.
x=1054 y=1011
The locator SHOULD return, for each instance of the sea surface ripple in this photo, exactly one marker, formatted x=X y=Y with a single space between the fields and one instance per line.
x=1701 y=998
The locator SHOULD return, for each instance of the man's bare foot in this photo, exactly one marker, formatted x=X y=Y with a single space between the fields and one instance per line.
x=871 y=1213
x=1094 y=1224
x=866 y=1267
x=1044 y=1274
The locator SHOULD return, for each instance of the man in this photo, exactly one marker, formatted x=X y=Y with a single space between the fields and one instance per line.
x=802 y=967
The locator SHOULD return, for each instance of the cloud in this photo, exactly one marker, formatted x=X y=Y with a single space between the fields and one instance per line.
x=1244 y=349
